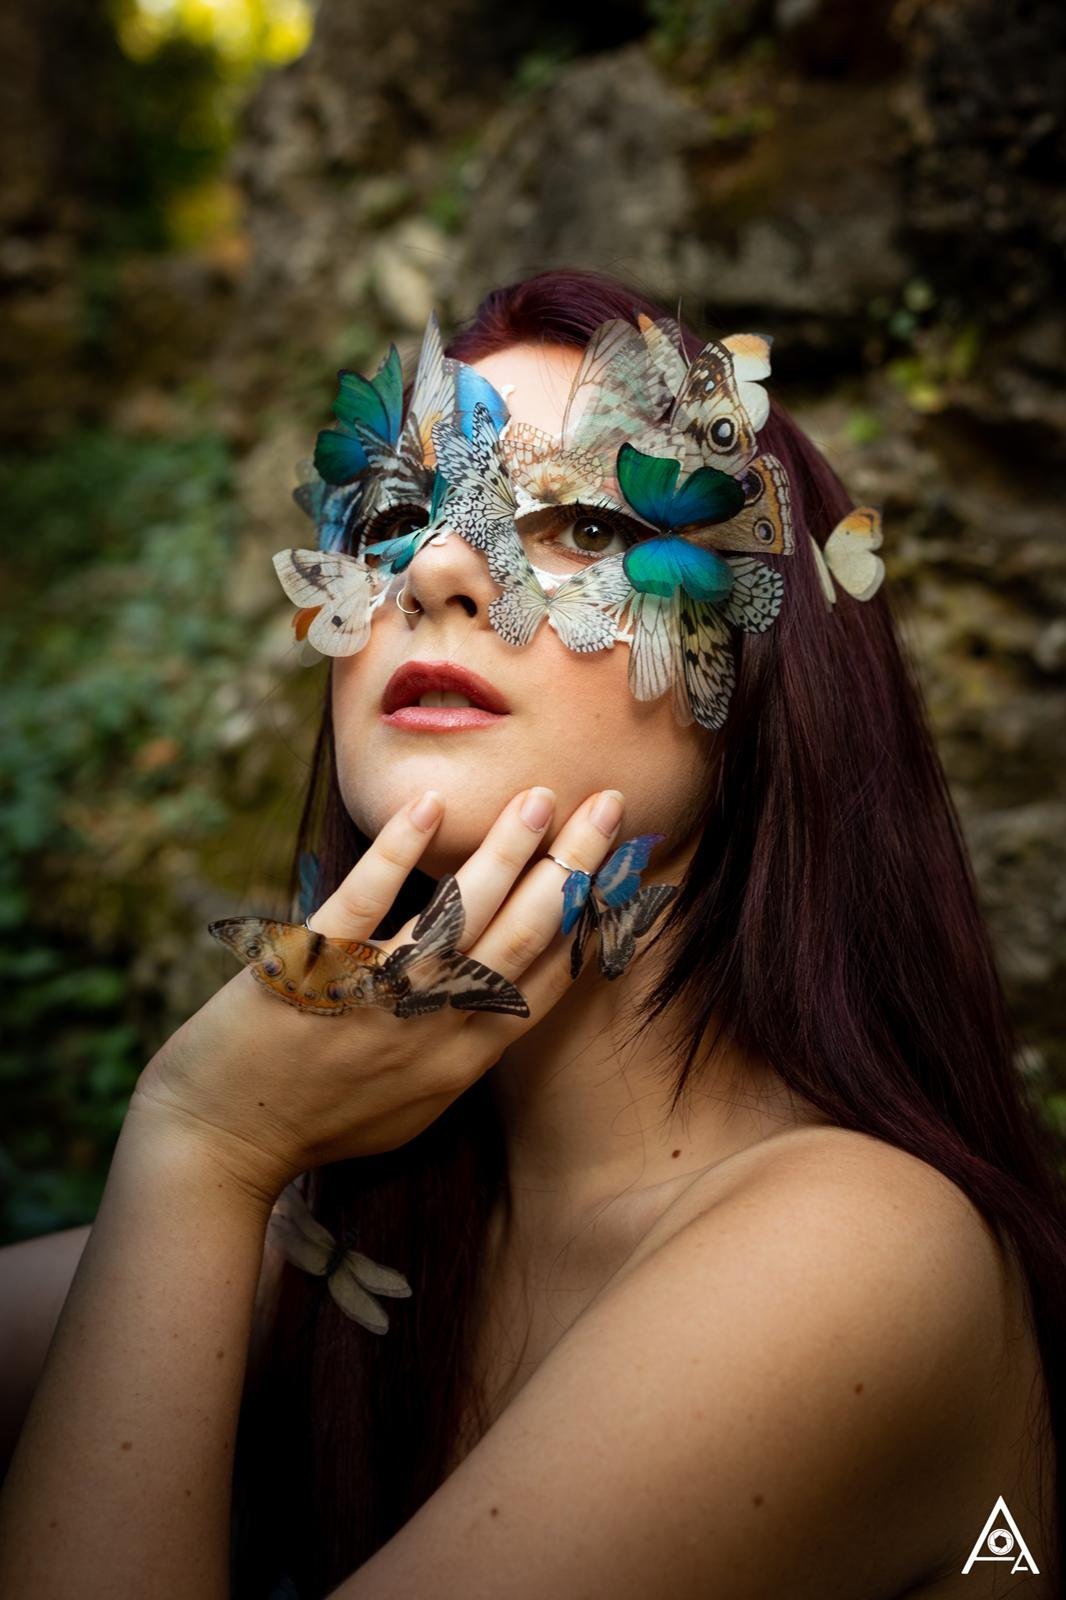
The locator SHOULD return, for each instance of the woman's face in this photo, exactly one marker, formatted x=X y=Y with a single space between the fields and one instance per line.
x=573 y=723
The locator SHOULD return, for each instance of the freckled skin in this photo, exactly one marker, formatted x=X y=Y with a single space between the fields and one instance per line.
x=574 y=723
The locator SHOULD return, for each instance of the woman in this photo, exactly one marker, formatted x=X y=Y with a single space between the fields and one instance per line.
x=741 y=1275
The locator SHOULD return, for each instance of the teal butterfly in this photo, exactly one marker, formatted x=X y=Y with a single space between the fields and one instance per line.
x=333 y=509
x=649 y=484
x=396 y=554
x=363 y=406
x=686 y=597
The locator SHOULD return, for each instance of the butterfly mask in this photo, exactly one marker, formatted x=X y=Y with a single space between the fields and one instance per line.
x=657 y=453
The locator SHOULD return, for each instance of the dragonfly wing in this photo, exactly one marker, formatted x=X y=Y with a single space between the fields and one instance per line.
x=297 y=1234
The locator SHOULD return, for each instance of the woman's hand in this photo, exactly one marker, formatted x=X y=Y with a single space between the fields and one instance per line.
x=277 y=1091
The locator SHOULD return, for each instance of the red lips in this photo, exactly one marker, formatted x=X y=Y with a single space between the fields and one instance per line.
x=416 y=678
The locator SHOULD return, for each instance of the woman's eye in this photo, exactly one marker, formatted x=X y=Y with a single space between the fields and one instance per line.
x=591 y=535
x=395 y=524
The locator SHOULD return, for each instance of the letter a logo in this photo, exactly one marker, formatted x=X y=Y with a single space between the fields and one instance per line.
x=999 y=1541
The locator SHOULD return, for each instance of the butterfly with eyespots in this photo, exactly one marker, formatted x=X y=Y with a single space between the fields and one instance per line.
x=328 y=976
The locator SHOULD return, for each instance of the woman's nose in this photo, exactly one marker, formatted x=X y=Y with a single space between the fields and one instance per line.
x=448 y=572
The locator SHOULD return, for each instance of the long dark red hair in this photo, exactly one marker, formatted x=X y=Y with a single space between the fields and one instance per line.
x=828 y=923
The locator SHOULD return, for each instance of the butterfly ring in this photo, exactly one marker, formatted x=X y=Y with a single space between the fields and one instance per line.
x=564 y=864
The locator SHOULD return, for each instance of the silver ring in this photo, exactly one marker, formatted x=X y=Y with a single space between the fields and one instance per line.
x=307 y=924
x=564 y=864
x=404 y=608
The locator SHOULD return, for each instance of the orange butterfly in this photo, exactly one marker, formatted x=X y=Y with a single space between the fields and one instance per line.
x=331 y=976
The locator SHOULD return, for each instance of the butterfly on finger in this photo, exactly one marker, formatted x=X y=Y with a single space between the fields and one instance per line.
x=627 y=910
x=328 y=976
x=352 y=1278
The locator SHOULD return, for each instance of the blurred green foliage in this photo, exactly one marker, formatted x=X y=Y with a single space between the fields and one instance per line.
x=114 y=641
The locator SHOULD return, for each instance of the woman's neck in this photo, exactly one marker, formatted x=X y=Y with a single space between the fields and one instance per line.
x=586 y=1114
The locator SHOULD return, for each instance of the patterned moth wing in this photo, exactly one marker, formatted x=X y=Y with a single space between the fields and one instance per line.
x=617 y=391
x=710 y=411
x=849 y=556
x=481 y=504
x=325 y=976
x=546 y=472
x=337 y=594
x=755 y=598
x=705 y=673
x=352 y=1277
x=582 y=609
x=430 y=972
x=765 y=522
x=620 y=926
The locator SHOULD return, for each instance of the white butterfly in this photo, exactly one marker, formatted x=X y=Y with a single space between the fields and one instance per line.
x=583 y=609
x=352 y=1277
x=337 y=595
x=848 y=555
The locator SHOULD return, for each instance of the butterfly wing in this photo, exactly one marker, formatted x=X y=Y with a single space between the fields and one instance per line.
x=575 y=893
x=710 y=412
x=755 y=598
x=357 y=1280
x=653 y=652
x=340 y=587
x=619 y=877
x=432 y=396
x=765 y=521
x=619 y=926
x=482 y=495
x=453 y=978
x=585 y=924
x=305 y=969
x=849 y=552
x=705 y=654
x=299 y=1236
x=583 y=609
x=617 y=390
x=518 y=611
x=355 y=1301
x=662 y=340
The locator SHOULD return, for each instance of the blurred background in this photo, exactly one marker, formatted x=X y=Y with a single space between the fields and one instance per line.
x=210 y=205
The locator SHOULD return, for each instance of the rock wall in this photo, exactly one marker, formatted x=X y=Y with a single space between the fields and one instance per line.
x=879 y=186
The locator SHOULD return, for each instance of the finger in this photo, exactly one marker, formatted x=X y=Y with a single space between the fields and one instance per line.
x=487 y=877
x=357 y=905
x=532 y=914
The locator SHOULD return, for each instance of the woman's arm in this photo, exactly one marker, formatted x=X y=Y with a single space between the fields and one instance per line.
x=35 y=1278
x=122 y=1477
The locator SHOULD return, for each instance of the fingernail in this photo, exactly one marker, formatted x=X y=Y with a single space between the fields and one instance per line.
x=426 y=811
x=607 y=812
x=537 y=807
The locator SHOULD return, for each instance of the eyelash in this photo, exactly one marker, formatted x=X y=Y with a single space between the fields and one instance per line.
x=615 y=522
x=379 y=525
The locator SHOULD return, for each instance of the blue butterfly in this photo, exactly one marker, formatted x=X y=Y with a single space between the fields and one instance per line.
x=309 y=871
x=628 y=909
